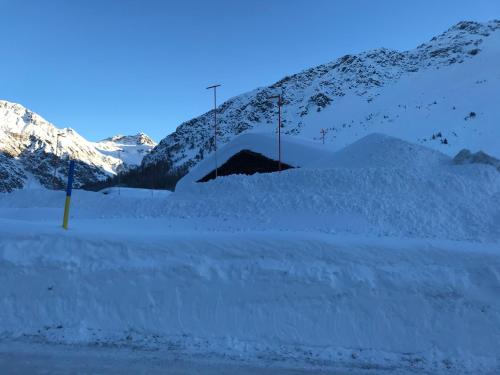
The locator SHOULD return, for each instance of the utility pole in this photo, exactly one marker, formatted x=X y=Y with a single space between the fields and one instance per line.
x=280 y=103
x=323 y=133
x=214 y=87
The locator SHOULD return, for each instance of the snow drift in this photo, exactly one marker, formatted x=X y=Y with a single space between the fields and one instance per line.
x=327 y=301
x=379 y=185
x=383 y=255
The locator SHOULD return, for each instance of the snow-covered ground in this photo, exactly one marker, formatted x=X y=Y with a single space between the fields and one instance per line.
x=383 y=257
x=135 y=192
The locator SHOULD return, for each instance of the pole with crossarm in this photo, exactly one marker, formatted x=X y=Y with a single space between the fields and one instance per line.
x=280 y=103
x=214 y=87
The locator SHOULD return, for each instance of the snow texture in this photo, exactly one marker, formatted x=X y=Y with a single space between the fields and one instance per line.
x=296 y=152
x=382 y=257
x=130 y=150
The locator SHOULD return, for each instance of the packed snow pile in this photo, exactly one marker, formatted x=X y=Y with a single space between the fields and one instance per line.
x=381 y=256
x=379 y=185
x=382 y=151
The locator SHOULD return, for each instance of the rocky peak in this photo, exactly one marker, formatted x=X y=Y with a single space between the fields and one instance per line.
x=34 y=145
x=137 y=139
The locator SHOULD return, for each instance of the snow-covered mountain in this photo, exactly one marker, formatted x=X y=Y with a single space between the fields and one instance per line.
x=443 y=94
x=130 y=149
x=32 y=150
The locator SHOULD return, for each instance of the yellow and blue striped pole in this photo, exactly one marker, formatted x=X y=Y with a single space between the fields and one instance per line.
x=69 y=188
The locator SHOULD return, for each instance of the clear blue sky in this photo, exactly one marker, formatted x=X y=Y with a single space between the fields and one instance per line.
x=105 y=67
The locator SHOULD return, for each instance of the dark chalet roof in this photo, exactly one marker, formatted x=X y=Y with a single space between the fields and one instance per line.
x=246 y=162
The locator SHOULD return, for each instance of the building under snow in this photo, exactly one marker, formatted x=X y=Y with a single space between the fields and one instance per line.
x=257 y=153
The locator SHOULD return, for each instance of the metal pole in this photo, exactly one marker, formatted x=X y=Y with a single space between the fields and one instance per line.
x=279 y=128
x=214 y=87
x=215 y=129
x=279 y=134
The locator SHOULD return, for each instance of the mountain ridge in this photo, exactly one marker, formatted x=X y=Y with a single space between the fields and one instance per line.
x=347 y=83
x=441 y=94
x=31 y=146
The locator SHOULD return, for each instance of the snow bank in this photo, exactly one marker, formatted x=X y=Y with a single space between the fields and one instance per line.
x=404 y=190
x=378 y=186
x=318 y=299
x=135 y=192
x=383 y=151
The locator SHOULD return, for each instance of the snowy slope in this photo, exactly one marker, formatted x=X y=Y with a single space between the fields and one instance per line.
x=443 y=94
x=129 y=149
x=383 y=151
x=31 y=146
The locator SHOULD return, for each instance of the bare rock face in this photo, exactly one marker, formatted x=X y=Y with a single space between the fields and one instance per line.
x=480 y=157
x=138 y=139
